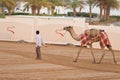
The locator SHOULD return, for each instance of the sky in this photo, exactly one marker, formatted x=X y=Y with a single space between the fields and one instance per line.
x=96 y=10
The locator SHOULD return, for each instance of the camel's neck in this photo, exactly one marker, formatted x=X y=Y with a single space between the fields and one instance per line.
x=74 y=35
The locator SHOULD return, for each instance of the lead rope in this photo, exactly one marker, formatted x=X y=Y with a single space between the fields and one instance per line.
x=10 y=29
x=58 y=32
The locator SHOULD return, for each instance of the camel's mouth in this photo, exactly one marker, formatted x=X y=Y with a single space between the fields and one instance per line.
x=67 y=28
x=64 y=28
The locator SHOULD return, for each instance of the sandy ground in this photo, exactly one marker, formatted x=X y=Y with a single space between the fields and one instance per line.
x=17 y=62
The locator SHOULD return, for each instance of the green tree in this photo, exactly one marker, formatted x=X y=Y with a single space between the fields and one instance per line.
x=100 y=4
x=51 y=4
x=9 y=4
x=1 y=7
x=40 y=4
x=36 y=5
x=107 y=5
x=74 y=4
x=90 y=2
x=111 y=4
x=32 y=4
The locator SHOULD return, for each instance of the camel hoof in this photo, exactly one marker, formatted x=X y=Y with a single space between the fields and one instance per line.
x=94 y=62
x=98 y=63
x=75 y=61
x=115 y=62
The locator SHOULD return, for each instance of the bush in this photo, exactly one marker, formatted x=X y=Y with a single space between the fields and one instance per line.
x=60 y=15
x=115 y=17
x=70 y=13
x=2 y=16
x=83 y=14
x=55 y=14
x=20 y=14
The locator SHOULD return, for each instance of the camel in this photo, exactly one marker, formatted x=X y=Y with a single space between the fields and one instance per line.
x=88 y=38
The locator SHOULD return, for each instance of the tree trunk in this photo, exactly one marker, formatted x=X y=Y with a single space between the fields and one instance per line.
x=80 y=9
x=9 y=12
x=33 y=12
x=53 y=10
x=33 y=9
x=108 y=13
x=101 y=9
x=74 y=12
x=105 y=11
x=90 y=8
x=1 y=10
x=38 y=11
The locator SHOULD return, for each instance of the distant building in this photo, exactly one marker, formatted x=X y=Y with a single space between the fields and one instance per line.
x=20 y=8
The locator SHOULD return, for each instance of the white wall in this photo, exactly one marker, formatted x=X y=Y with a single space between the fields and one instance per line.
x=22 y=30
x=25 y=27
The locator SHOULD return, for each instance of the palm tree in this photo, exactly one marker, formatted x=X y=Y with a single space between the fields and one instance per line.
x=106 y=5
x=74 y=4
x=40 y=4
x=1 y=7
x=81 y=7
x=36 y=5
x=90 y=2
x=100 y=4
x=9 y=4
x=111 y=4
x=33 y=5
x=53 y=3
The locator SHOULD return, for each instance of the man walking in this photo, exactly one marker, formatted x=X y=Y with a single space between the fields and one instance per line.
x=39 y=43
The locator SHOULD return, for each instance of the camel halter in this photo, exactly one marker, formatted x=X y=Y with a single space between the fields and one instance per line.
x=10 y=29
x=58 y=32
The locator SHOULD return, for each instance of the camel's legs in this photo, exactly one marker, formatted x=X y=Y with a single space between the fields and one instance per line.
x=92 y=54
x=110 y=48
x=103 y=51
x=78 y=54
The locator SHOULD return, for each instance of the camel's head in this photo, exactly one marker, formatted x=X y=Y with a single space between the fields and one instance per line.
x=68 y=28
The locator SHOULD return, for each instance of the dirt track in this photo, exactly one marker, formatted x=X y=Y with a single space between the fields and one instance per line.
x=17 y=62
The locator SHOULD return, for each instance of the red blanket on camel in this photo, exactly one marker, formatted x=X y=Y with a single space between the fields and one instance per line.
x=104 y=40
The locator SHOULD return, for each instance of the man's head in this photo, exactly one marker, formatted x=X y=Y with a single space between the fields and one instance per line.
x=37 y=32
